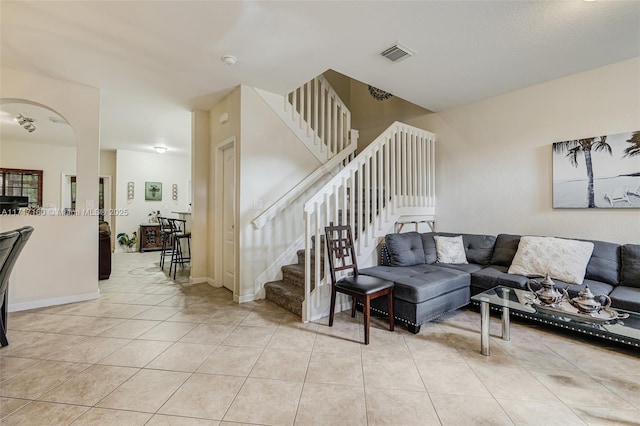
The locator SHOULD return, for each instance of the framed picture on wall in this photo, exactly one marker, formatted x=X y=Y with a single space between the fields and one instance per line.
x=597 y=172
x=153 y=191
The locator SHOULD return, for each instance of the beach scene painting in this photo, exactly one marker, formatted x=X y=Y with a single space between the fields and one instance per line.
x=597 y=172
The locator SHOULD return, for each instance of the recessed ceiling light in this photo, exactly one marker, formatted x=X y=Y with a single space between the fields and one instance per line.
x=160 y=149
x=229 y=59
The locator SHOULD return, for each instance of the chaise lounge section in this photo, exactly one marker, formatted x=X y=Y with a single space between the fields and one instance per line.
x=426 y=289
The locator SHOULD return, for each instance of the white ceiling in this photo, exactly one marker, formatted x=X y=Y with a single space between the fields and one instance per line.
x=155 y=61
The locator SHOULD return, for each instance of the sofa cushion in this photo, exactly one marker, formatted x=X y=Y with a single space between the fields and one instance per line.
x=405 y=249
x=462 y=267
x=418 y=283
x=505 y=249
x=560 y=258
x=478 y=248
x=429 y=247
x=604 y=264
x=630 y=272
x=450 y=249
x=627 y=298
x=495 y=275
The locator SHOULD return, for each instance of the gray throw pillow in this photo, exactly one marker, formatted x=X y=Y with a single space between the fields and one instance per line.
x=405 y=249
x=604 y=264
x=630 y=273
x=505 y=249
x=429 y=246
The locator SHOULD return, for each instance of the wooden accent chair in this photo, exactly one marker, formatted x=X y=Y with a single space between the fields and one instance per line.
x=342 y=256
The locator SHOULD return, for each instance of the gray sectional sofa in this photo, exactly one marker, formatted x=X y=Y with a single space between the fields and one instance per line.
x=425 y=289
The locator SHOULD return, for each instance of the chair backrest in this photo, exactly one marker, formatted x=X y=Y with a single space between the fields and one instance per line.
x=340 y=251
x=177 y=225
x=165 y=226
x=19 y=238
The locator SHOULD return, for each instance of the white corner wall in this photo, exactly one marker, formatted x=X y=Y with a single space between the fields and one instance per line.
x=141 y=167
x=59 y=264
x=272 y=161
x=494 y=157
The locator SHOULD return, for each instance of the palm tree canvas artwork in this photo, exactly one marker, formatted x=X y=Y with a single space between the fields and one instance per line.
x=597 y=172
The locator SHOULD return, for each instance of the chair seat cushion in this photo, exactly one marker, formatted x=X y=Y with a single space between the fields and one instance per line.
x=363 y=284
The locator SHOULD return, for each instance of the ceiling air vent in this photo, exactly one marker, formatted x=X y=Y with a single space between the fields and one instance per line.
x=397 y=52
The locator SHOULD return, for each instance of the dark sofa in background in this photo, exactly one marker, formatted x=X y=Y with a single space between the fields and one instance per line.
x=425 y=290
x=104 y=251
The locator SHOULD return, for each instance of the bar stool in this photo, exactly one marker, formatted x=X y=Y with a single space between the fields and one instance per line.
x=166 y=237
x=179 y=233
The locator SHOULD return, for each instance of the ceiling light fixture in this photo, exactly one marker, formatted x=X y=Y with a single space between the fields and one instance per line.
x=160 y=149
x=26 y=122
x=229 y=59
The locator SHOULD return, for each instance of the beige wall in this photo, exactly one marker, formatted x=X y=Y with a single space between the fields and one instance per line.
x=64 y=249
x=200 y=154
x=141 y=167
x=108 y=168
x=220 y=133
x=369 y=116
x=494 y=157
x=272 y=161
x=53 y=160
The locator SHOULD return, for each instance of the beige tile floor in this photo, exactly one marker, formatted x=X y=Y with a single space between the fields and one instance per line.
x=154 y=351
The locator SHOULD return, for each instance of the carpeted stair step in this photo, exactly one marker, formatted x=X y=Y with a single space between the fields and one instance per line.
x=300 y=254
x=289 y=296
x=293 y=274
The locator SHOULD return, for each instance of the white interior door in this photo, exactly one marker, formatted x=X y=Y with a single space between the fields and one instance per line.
x=228 y=218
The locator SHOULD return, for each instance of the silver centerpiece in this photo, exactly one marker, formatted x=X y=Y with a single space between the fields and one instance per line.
x=586 y=302
x=548 y=294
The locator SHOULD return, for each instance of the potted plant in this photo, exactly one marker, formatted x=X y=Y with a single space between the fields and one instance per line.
x=129 y=242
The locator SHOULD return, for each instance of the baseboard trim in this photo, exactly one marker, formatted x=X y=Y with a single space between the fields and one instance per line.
x=244 y=299
x=342 y=306
x=43 y=303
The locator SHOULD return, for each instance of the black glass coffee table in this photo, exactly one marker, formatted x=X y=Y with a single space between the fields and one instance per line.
x=519 y=302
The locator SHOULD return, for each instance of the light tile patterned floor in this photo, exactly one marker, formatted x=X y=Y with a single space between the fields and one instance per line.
x=154 y=351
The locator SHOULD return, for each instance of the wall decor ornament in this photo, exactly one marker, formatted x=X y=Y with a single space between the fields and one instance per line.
x=597 y=172
x=153 y=191
x=379 y=94
x=130 y=191
x=174 y=192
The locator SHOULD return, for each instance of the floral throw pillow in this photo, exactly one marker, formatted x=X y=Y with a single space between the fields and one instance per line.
x=450 y=249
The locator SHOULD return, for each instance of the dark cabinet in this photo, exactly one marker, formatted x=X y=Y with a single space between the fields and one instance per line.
x=150 y=238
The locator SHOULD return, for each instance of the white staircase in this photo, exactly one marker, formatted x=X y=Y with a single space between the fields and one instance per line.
x=392 y=178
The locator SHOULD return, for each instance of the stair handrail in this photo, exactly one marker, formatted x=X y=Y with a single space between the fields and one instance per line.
x=398 y=172
x=328 y=120
x=294 y=193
